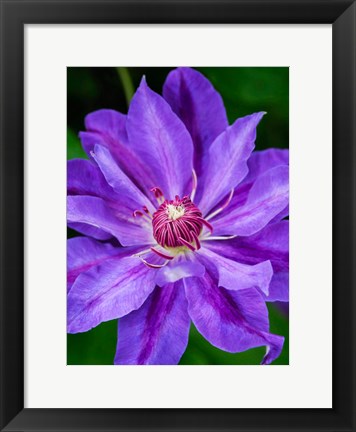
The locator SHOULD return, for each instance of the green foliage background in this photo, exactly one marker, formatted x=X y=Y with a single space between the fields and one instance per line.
x=244 y=91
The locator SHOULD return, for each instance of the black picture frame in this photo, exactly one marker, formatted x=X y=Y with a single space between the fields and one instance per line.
x=14 y=15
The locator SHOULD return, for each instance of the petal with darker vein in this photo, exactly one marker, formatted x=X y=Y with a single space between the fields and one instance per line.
x=157 y=333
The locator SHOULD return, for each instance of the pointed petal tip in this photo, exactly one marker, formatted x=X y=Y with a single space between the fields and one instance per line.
x=143 y=81
x=259 y=115
x=255 y=117
x=155 y=131
x=273 y=351
x=142 y=87
x=144 y=90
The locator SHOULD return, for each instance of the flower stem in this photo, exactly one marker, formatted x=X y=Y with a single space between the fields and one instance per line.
x=126 y=82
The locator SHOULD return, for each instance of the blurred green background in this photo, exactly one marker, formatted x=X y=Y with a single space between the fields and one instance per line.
x=244 y=91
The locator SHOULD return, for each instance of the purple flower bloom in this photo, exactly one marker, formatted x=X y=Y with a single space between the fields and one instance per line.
x=182 y=223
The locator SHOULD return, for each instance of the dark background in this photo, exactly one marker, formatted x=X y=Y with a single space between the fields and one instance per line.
x=244 y=91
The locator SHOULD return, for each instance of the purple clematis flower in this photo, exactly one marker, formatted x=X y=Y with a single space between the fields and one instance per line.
x=182 y=222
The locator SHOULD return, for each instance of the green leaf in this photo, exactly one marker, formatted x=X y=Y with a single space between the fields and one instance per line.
x=279 y=324
x=127 y=83
x=74 y=147
x=95 y=347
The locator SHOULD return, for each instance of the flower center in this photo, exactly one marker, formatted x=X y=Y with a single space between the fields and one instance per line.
x=175 y=212
x=177 y=223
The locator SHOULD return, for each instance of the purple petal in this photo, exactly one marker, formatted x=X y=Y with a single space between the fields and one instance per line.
x=279 y=288
x=180 y=267
x=196 y=102
x=258 y=164
x=119 y=181
x=271 y=243
x=280 y=216
x=90 y=231
x=267 y=197
x=227 y=162
x=161 y=141
x=106 y=127
x=90 y=139
x=236 y=276
x=108 y=291
x=262 y=161
x=85 y=178
x=233 y=321
x=96 y=212
x=83 y=253
x=157 y=333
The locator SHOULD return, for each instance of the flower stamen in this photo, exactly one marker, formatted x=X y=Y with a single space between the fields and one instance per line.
x=158 y=194
x=148 y=264
x=161 y=254
x=145 y=216
x=137 y=213
x=178 y=223
x=218 y=237
x=195 y=185
x=139 y=254
x=220 y=209
x=187 y=244
x=154 y=265
x=145 y=209
x=207 y=224
x=197 y=242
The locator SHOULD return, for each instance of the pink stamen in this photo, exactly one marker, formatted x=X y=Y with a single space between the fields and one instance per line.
x=157 y=191
x=194 y=186
x=137 y=213
x=207 y=224
x=220 y=209
x=185 y=243
x=161 y=254
x=175 y=220
x=197 y=242
x=153 y=265
x=158 y=194
x=208 y=238
x=145 y=209
x=146 y=216
x=143 y=252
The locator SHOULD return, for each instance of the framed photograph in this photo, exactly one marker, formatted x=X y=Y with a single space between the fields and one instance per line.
x=167 y=237
x=177 y=215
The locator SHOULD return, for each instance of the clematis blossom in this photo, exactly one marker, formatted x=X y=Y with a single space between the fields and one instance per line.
x=182 y=222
